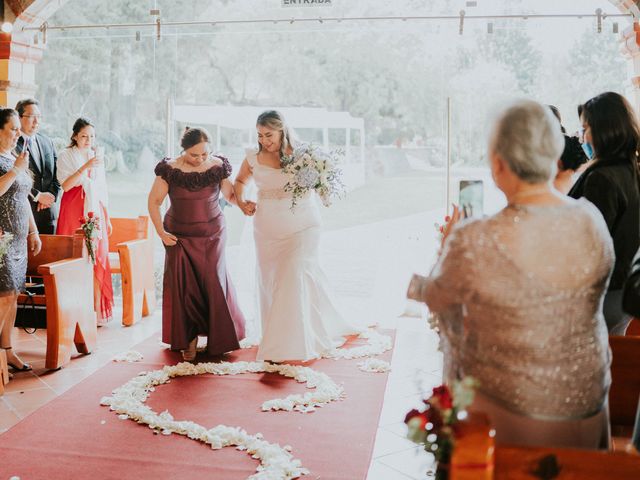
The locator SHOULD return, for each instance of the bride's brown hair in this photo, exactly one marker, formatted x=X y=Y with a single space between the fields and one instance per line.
x=274 y=120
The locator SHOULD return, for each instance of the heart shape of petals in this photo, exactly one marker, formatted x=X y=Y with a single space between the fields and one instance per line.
x=275 y=461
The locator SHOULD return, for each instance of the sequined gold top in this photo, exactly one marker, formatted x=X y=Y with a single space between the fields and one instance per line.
x=518 y=297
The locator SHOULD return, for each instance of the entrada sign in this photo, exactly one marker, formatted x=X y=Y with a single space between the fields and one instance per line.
x=306 y=3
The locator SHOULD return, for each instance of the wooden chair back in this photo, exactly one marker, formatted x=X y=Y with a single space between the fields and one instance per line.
x=55 y=248
x=126 y=229
x=633 y=330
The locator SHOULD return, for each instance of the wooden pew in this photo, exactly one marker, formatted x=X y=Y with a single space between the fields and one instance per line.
x=475 y=457
x=633 y=329
x=132 y=242
x=67 y=275
x=520 y=463
x=625 y=384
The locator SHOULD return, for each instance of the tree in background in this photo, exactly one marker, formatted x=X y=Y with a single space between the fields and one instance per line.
x=396 y=76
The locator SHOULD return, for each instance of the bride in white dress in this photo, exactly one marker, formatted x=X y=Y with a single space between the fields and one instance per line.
x=299 y=320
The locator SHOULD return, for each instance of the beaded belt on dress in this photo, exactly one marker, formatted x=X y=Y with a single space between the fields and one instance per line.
x=273 y=194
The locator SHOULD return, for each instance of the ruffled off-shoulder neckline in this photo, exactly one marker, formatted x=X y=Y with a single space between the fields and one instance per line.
x=193 y=180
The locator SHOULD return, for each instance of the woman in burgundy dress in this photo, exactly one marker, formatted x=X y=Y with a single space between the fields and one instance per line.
x=198 y=297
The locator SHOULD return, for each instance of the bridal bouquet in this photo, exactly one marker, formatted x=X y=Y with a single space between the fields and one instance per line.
x=435 y=425
x=90 y=226
x=312 y=168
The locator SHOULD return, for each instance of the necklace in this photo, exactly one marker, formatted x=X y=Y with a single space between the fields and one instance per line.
x=528 y=193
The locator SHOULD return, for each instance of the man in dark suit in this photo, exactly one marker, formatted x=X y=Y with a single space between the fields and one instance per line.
x=42 y=162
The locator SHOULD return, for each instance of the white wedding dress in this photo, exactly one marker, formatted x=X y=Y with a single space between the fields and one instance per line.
x=299 y=320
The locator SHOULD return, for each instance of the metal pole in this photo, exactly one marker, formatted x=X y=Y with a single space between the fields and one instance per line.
x=169 y=129
x=347 y=145
x=448 y=189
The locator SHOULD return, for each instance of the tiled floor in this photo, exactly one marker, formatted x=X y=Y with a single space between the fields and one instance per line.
x=30 y=390
x=416 y=368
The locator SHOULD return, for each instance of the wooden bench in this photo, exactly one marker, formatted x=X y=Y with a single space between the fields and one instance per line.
x=624 y=395
x=475 y=457
x=634 y=328
x=67 y=274
x=519 y=463
x=132 y=245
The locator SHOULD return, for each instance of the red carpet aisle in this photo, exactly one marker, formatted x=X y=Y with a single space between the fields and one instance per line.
x=74 y=437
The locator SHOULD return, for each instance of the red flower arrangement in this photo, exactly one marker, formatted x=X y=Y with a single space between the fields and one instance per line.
x=90 y=226
x=434 y=425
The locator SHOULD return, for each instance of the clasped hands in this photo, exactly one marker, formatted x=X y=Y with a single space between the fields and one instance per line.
x=45 y=200
x=248 y=207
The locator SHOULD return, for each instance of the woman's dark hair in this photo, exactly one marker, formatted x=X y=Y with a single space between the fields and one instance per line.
x=194 y=136
x=614 y=128
x=275 y=120
x=77 y=127
x=556 y=112
x=572 y=156
x=5 y=115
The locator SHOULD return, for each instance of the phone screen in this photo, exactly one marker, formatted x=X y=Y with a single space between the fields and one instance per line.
x=471 y=198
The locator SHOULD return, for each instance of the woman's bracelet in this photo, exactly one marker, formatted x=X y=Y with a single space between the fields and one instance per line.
x=35 y=232
x=15 y=170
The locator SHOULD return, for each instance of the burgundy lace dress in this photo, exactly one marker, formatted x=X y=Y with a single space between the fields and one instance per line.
x=198 y=297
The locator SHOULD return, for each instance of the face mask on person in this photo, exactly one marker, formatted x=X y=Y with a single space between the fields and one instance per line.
x=588 y=149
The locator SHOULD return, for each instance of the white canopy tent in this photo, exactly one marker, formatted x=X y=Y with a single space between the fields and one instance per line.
x=244 y=117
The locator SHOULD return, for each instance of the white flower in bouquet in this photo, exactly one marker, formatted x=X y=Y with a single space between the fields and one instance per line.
x=312 y=168
x=307 y=177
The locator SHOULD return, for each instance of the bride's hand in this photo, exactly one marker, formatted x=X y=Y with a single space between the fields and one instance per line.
x=248 y=207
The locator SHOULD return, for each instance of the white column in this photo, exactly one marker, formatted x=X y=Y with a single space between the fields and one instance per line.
x=362 y=159
x=347 y=147
x=169 y=129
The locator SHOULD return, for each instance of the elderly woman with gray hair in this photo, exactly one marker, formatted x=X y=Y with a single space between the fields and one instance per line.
x=519 y=305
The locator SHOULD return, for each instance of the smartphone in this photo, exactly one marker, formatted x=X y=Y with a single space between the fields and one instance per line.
x=471 y=198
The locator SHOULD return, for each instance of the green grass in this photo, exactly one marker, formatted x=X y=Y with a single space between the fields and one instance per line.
x=384 y=199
